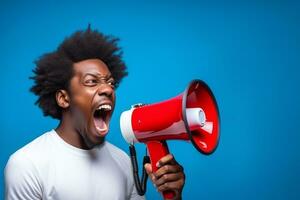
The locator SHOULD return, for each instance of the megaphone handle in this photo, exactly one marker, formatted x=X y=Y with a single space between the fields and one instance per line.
x=157 y=150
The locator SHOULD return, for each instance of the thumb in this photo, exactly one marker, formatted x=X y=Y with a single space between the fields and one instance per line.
x=148 y=168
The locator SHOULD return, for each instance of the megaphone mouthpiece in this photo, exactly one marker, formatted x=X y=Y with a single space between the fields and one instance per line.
x=195 y=117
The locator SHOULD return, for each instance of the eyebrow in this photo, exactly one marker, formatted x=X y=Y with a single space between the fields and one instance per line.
x=98 y=75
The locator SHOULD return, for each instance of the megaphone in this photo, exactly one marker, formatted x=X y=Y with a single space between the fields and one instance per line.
x=191 y=116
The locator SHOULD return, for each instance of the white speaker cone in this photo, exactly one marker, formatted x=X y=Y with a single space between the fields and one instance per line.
x=195 y=117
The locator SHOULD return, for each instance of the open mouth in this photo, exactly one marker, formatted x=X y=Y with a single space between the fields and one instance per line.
x=101 y=118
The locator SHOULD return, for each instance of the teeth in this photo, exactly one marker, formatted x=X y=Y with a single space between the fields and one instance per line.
x=104 y=107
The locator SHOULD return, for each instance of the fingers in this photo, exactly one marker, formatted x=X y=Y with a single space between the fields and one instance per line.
x=175 y=186
x=166 y=169
x=148 y=168
x=168 y=159
x=168 y=178
x=169 y=175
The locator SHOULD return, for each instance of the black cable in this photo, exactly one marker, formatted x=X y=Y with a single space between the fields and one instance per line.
x=140 y=185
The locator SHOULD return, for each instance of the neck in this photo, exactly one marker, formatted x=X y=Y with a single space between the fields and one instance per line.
x=69 y=134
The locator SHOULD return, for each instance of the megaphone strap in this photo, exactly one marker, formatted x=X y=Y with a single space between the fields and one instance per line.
x=139 y=184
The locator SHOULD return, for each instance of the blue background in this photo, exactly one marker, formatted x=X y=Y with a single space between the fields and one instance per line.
x=248 y=52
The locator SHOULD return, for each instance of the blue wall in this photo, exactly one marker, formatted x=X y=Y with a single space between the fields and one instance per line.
x=247 y=52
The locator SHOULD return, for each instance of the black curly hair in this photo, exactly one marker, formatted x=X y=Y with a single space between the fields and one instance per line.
x=54 y=70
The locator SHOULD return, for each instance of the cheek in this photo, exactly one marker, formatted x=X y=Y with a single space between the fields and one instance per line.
x=82 y=102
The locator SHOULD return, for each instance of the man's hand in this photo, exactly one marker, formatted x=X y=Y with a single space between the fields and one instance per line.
x=169 y=176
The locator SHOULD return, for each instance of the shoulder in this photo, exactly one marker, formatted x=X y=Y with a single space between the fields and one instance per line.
x=33 y=151
x=22 y=177
x=19 y=169
x=26 y=160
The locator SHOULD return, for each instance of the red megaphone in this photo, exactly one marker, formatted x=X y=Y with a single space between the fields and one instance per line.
x=192 y=116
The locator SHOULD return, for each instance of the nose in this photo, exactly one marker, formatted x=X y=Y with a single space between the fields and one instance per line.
x=105 y=90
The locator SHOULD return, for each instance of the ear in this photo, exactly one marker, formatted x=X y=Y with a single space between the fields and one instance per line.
x=62 y=98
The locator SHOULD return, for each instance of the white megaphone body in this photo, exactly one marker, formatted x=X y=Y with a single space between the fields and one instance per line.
x=192 y=116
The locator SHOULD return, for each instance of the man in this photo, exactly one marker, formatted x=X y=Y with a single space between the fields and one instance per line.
x=76 y=85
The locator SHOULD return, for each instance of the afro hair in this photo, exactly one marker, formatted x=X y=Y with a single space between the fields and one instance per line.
x=54 y=70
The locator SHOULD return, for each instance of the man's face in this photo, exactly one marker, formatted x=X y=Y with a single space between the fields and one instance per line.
x=92 y=100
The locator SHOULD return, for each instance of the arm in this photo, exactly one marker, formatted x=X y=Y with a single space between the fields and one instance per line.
x=169 y=176
x=21 y=179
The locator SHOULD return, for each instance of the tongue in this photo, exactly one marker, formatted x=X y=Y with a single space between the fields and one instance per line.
x=100 y=124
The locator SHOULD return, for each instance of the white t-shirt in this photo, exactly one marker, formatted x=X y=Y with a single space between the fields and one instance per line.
x=50 y=168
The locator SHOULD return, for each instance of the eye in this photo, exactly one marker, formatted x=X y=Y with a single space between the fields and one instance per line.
x=91 y=82
x=111 y=82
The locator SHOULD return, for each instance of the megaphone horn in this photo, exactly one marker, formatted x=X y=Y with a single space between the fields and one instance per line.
x=192 y=116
